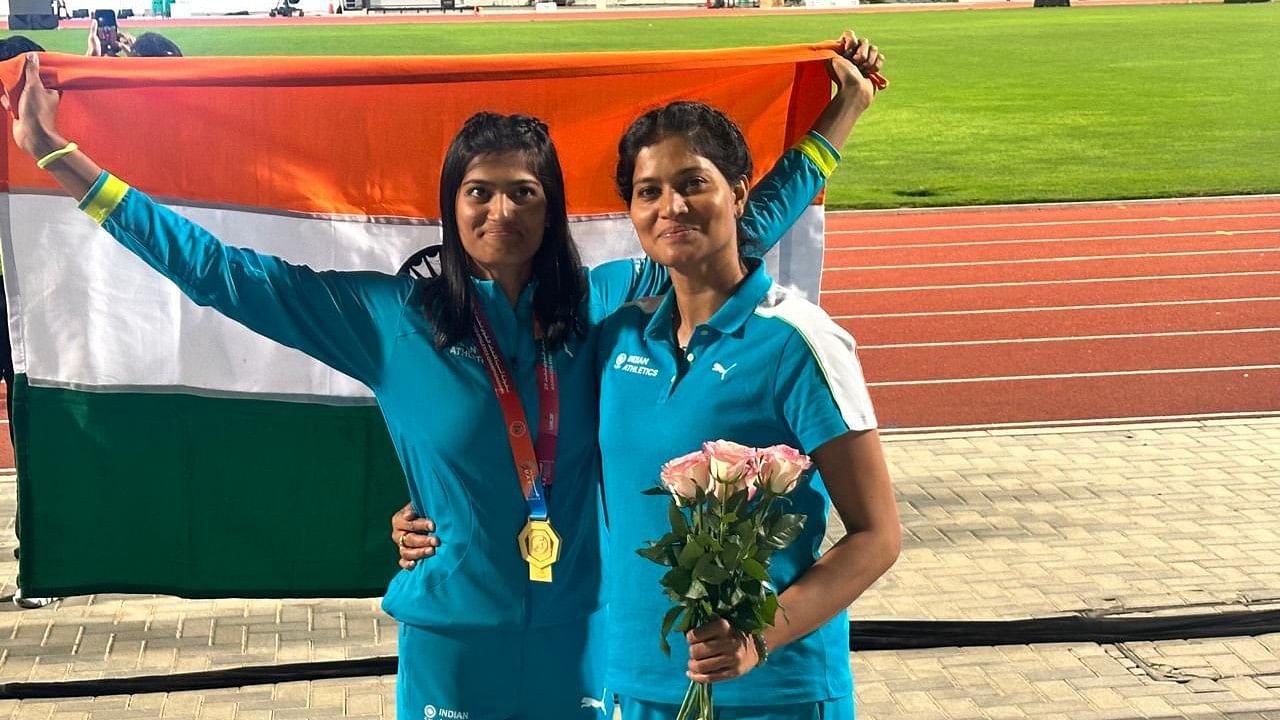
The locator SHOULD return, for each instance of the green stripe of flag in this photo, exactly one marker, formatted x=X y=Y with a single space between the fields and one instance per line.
x=202 y=497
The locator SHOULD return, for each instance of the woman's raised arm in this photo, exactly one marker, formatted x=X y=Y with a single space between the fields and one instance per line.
x=35 y=130
x=343 y=319
x=781 y=196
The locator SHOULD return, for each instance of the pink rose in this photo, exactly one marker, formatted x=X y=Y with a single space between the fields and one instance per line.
x=683 y=476
x=780 y=468
x=733 y=467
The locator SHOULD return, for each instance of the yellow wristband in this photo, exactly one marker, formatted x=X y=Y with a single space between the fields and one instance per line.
x=56 y=155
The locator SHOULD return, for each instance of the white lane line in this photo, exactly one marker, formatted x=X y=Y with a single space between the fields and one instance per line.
x=1103 y=306
x=1070 y=338
x=1031 y=241
x=1068 y=376
x=1080 y=281
x=1078 y=258
x=1083 y=425
x=1046 y=223
x=979 y=209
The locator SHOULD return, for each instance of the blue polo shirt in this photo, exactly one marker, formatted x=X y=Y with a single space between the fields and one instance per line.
x=444 y=420
x=768 y=368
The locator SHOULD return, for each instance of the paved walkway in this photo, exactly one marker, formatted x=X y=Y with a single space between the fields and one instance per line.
x=1167 y=519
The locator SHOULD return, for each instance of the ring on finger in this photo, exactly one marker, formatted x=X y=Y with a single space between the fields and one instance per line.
x=400 y=542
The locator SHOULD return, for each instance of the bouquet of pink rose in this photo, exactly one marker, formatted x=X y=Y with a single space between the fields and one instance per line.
x=727 y=519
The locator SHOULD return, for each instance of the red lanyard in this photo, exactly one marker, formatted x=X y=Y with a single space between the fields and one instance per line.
x=530 y=464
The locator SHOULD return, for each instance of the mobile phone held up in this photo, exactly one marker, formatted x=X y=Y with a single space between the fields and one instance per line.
x=108 y=31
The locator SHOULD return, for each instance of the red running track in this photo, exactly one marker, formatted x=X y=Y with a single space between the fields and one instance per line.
x=1062 y=314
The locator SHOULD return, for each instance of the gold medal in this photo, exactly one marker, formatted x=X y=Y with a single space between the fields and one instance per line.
x=540 y=547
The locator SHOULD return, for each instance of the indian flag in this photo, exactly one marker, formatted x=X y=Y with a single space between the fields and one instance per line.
x=164 y=448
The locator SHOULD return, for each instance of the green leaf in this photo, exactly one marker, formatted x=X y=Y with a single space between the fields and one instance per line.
x=772 y=516
x=731 y=556
x=656 y=490
x=745 y=619
x=797 y=518
x=769 y=610
x=696 y=591
x=668 y=621
x=689 y=555
x=686 y=622
x=715 y=575
x=671 y=539
x=655 y=553
x=754 y=569
x=784 y=531
x=702 y=562
x=709 y=572
x=679 y=525
x=678 y=580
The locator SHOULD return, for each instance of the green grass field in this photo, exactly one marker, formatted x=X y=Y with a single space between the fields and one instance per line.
x=986 y=106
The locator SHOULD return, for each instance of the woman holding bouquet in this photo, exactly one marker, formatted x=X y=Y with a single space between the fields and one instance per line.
x=511 y=310
x=740 y=358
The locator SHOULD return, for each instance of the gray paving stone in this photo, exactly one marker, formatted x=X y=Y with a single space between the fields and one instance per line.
x=1159 y=519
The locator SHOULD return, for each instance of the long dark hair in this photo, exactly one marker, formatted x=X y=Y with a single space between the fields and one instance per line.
x=557 y=299
x=710 y=133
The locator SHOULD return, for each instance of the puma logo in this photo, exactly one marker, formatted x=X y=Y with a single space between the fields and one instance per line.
x=717 y=367
x=590 y=702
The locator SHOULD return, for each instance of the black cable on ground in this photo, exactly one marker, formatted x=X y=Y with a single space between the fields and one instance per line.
x=863 y=635
x=920 y=634
x=204 y=680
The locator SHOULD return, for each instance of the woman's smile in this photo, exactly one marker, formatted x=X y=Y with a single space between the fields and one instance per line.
x=677 y=233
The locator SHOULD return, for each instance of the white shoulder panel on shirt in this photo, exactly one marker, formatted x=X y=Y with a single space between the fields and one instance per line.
x=832 y=347
x=647 y=305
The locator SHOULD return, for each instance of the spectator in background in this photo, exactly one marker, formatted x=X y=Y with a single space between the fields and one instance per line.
x=15 y=45
x=11 y=47
x=148 y=44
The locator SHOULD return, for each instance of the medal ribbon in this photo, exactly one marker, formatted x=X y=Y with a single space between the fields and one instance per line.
x=534 y=468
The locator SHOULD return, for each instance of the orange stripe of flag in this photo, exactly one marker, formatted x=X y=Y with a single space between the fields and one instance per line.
x=366 y=136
